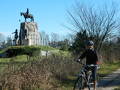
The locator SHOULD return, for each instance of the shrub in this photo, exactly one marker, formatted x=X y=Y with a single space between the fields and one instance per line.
x=47 y=73
x=22 y=50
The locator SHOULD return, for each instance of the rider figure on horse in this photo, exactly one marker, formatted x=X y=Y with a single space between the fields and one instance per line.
x=27 y=15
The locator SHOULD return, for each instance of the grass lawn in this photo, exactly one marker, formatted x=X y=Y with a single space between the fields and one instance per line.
x=107 y=68
x=4 y=62
x=20 y=58
x=118 y=88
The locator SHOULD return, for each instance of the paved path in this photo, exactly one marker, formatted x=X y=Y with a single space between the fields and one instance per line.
x=110 y=82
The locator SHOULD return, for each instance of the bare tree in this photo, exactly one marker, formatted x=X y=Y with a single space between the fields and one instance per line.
x=44 y=38
x=98 y=24
x=2 y=37
x=9 y=41
x=55 y=37
x=2 y=40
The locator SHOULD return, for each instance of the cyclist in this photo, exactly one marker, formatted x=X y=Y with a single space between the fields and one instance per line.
x=91 y=58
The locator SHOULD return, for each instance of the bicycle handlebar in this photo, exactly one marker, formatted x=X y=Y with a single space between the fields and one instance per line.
x=90 y=65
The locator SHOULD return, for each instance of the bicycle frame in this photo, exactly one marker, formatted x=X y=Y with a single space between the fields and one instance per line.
x=86 y=74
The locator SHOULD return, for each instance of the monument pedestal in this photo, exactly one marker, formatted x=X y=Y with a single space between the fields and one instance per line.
x=29 y=34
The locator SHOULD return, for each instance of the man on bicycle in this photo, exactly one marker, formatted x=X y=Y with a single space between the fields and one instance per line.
x=91 y=58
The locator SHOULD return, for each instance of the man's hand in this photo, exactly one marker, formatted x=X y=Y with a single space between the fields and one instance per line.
x=77 y=60
x=98 y=62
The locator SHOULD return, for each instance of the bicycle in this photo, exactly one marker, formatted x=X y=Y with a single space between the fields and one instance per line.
x=84 y=78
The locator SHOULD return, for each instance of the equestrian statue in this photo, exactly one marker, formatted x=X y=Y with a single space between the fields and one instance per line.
x=27 y=15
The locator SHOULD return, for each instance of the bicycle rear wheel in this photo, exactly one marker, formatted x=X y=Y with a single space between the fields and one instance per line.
x=79 y=83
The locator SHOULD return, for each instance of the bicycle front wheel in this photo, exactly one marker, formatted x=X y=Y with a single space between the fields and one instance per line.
x=79 y=83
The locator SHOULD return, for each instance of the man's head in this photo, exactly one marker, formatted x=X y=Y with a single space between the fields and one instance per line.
x=89 y=44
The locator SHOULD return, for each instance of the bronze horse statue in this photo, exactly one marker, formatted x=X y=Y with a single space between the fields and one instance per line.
x=27 y=15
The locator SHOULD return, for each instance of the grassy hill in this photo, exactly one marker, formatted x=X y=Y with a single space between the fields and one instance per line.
x=24 y=50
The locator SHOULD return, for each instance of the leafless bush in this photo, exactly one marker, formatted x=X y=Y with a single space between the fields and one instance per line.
x=46 y=73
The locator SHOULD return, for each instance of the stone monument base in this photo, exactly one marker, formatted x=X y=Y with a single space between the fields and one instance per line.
x=29 y=34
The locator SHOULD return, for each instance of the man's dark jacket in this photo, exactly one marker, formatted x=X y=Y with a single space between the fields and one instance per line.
x=90 y=55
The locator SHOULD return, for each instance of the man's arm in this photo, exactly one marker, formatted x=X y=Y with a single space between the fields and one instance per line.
x=83 y=55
